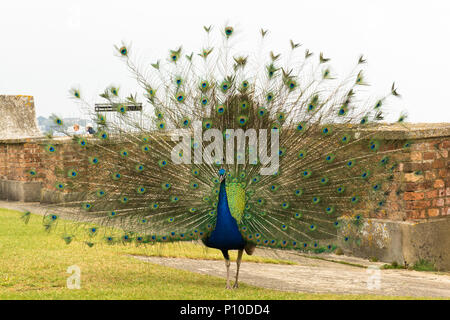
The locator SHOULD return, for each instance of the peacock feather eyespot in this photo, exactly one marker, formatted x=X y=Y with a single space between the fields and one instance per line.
x=312 y=227
x=340 y=189
x=82 y=142
x=336 y=224
x=407 y=145
x=178 y=81
x=185 y=122
x=194 y=185
x=298 y=192
x=281 y=116
x=124 y=200
x=301 y=127
x=242 y=120
x=123 y=51
x=192 y=210
x=207 y=124
x=145 y=148
x=166 y=186
x=195 y=172
x=326 y=130
x=306 y=174
x=244 y=85
x=262 y=112
x=174 y=199
x=154 y=206
x=141 y=190
x=87 y=206
x=365 y=174
x=93 y=160
x=345 y=139
x=124 y=153
x=384 y=160
x=220 y=109
x=112 y=214
x=376 y=187
x=72 y=173
x=285 y=205
x=139 y=168
x=180 y=97
x=59 y=186
x=315 y=200
x=354 y=199
x=343 y=111
x=243 y=105
x=323 y=180
x=122 y=109
x=50 y=148
x=100 y=193
x=374 y=145
x=103 y=135
x=228 y=31
x=269 y=97
x=116 y=176
x=351 y=163
x=204 y=101
x=162 y=163
x=273 y=187
x=291 y=84
x=161 y=125
x=329 y=210
x=330 y=158
x=171 y=219
x=364 y=120
x=58 y=121
x=225 y=86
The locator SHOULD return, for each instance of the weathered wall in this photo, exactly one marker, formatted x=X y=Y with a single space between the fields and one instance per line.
x=416 y=223
x=18 y=118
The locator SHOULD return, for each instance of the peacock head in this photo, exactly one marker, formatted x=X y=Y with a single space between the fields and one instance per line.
x=222 y=174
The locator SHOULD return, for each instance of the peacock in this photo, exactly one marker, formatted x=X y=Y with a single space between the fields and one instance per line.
x=236 y=150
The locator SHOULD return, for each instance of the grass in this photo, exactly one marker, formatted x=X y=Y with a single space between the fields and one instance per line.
x=33 y=265
x=420 y=265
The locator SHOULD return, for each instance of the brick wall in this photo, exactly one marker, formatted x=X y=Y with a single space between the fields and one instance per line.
x=18 y=157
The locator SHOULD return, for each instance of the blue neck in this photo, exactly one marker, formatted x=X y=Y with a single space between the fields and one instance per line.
x=226 y=234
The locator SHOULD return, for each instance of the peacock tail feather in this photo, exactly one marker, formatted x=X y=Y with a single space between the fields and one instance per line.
x=123 y=185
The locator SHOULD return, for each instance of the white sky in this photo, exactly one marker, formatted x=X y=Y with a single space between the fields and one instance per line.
x=49 y=46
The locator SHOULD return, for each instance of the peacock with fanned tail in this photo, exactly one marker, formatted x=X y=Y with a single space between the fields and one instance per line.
x=179 y=172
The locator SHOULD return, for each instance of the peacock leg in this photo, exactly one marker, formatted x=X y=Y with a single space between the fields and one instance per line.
x=227 y=264
x=238 y=263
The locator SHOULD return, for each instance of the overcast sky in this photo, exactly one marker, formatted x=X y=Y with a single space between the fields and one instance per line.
x=49 y=46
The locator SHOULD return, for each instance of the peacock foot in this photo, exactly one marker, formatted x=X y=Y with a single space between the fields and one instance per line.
x=228 y=287
x=236 y=285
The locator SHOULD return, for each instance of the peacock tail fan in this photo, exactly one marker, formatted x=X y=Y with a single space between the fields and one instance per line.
x=152 y=175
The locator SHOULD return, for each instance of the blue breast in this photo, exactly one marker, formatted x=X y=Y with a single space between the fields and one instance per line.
x=226 y=235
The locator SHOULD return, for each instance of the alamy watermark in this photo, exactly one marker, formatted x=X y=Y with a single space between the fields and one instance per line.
x=74 y=280
x=235 y=140
x=374 y=277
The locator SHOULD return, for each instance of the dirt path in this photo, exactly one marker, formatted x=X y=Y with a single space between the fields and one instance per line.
x=319 y=276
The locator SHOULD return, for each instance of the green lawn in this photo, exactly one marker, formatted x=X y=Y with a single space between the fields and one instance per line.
x=33 y=265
